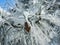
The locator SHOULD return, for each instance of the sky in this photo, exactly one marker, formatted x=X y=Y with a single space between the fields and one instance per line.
x=5 y=5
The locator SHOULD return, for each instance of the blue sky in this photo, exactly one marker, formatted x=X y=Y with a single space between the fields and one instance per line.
x=4 y=5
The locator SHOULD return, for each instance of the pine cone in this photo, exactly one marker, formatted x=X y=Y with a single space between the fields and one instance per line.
x=27 y=27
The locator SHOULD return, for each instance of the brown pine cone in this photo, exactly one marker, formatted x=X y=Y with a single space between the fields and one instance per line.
x=27 y=27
